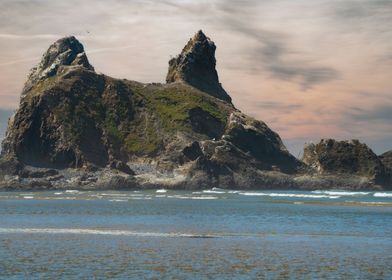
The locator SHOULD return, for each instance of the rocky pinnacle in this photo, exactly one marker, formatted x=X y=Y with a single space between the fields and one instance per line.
x=196 y=66
x=65 y=51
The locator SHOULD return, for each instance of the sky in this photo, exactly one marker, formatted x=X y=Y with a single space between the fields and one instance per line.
x=310 y=69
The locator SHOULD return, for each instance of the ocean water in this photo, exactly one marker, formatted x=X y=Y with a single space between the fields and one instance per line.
x=212 y=234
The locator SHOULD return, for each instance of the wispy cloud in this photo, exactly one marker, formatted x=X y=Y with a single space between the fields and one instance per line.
x=28 y=36
x=379 y=113
x=16 y=61
x=278 y=106
x=365 y=15
x=271 y=50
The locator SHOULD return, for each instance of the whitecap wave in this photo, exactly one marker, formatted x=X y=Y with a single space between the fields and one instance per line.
x=213 y=191
x=233 y=192
x=161 y=191
x=204 y=197
x=383 y=194
x=71 y=191
x=141 y=198
x=113 y=194
x=193 y=197
x=341 y=193
x=289 y=195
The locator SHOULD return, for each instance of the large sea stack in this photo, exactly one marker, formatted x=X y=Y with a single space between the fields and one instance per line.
x=76 y=128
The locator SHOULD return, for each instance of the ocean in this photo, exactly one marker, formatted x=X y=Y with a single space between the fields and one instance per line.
x=211 y=234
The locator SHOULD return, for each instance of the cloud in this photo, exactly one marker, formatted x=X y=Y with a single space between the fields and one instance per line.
x=272 y=50
x=308 y=75
x=365 y=14
x=382 y=112
x=22 y=60
x=278 y=106
x=27 y=36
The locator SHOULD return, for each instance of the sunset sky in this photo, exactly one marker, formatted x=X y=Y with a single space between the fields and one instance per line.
x=310 y=69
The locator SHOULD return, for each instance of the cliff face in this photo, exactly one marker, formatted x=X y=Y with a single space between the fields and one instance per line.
x=345 y=157
x=183 y=134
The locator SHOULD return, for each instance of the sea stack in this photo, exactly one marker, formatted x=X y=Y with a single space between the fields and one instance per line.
x=195 y=65
x=78 y=129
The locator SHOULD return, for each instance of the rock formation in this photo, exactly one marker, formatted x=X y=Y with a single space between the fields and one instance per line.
x=196 y=66
x=75 y=128
x=92 y=128
x=345 y=157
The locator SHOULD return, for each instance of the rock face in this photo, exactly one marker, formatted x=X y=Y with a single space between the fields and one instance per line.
x=386 y=159
x=64 y=52
x=76 y=128
x=196 y=66
x=345 y=157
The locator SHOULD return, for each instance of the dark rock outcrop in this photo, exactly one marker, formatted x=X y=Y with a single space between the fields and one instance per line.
x=196 y=66
x=345 y=157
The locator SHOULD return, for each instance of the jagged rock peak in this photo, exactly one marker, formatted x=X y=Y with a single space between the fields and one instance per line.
x=196 y=66
x=63 y=52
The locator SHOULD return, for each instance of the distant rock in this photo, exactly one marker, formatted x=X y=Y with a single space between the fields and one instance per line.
x=345 y=157
x=196 y=66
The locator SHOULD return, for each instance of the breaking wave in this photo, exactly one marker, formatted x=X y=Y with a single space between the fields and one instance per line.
x=289 y=195
x=161 y=191
x=341 y=193
x=383 y=194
